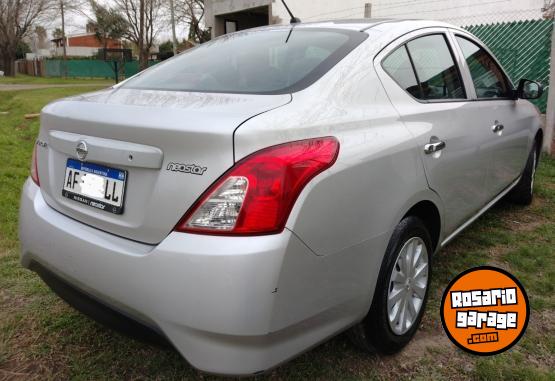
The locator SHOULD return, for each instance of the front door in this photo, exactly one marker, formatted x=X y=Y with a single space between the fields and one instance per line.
x=497 y=112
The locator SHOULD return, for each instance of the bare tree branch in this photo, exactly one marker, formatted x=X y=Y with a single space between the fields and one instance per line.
x=17 y=20
x=191 y=12
x=144 y=19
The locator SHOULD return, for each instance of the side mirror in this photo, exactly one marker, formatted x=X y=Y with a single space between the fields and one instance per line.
x=528 y=89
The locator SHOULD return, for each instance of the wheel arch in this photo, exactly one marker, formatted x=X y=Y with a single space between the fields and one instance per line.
x=430 y=214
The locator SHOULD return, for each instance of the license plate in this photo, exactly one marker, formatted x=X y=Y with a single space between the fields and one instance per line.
x=95 y=185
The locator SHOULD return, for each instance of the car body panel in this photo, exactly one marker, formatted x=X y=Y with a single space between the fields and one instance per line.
x=183 y=128
x=375 y=147
x=458 y=172
x=510 y=147
x=246 y=302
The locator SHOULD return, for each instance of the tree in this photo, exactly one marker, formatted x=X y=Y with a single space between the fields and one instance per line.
x=549 y=10
x=22 y=49
x=165 y=47
x=108 y=24
x=165 y=50
x=41 y=35
x=191 y=12
x=57 y=34
x=38 y=39
x=17 y=19
x=144 y=19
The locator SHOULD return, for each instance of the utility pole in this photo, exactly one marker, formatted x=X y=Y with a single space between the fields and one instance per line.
x=368 y=10
x=549 y=135
x=174 y=38
x=143 y=64
x=64 y=36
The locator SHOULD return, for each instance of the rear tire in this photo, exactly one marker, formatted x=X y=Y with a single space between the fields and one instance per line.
x=523 y=192
x=403 y=281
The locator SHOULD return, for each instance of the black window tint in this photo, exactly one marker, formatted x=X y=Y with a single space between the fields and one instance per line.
x=398 y=66
x=435 y=68
x=257 y=62
x=489 y=80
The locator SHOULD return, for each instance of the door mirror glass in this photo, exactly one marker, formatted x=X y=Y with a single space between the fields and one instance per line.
x=529 y=89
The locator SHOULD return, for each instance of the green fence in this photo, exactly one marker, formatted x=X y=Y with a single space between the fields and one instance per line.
x=89 y=68
x=522 y=47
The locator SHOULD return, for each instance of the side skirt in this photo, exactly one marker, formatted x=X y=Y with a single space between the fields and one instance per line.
x=480 y=212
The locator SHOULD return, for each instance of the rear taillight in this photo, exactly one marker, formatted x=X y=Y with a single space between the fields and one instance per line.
x=34 y=170
x=257 y=194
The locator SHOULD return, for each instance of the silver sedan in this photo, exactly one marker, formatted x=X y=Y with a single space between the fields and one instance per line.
x=254 y=196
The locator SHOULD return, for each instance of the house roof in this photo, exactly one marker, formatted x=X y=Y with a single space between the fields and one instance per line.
x=77 y=35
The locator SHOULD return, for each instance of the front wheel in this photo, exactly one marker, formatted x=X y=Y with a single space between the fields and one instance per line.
x=401 y=291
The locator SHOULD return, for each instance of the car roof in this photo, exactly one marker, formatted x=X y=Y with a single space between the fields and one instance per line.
x=385 y=24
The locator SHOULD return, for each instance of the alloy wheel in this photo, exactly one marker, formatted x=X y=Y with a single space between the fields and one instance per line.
x=407 y=285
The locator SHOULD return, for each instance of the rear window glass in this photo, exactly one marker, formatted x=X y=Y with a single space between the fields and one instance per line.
x=258 y=62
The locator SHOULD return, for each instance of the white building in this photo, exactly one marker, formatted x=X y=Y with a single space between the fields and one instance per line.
x=225 y=16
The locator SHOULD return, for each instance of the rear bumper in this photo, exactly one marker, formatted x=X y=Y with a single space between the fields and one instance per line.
x=97 y=309
x=230 y=305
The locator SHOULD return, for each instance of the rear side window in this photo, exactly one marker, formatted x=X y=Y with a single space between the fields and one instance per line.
x=435 y=75
x=398 y=66
x=256 y=62
x=489 y=80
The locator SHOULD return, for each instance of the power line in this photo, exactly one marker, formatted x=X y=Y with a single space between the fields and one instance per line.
x=439 y=10
x=334 y=12
x=404 y=4
x=411 y=2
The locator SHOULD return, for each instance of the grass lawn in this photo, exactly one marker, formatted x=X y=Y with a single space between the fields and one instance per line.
x=20 y=79
x=43 y=338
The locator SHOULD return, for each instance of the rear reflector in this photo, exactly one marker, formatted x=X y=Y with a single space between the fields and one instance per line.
x=257 y=194
x=34 y=170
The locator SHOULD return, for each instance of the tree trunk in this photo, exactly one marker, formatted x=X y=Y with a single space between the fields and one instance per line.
x=8 y=62
x=174 y=37
x=143 y=59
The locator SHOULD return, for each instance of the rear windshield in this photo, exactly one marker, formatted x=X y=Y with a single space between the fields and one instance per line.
x=256 y=62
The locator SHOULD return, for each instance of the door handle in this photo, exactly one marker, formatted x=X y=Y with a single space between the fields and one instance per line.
x=434 y=147
x=497 y=127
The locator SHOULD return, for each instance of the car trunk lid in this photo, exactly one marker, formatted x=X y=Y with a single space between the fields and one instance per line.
x=172 y=146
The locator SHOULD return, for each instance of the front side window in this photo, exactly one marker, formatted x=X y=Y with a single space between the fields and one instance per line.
x=489 y=80
x=274 y=61
x=435 y=68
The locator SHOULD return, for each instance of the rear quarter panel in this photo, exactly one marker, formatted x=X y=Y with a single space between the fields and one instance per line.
x=346 y=214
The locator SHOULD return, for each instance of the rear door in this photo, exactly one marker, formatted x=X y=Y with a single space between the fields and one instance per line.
x=421 y=75
x=496 y=111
